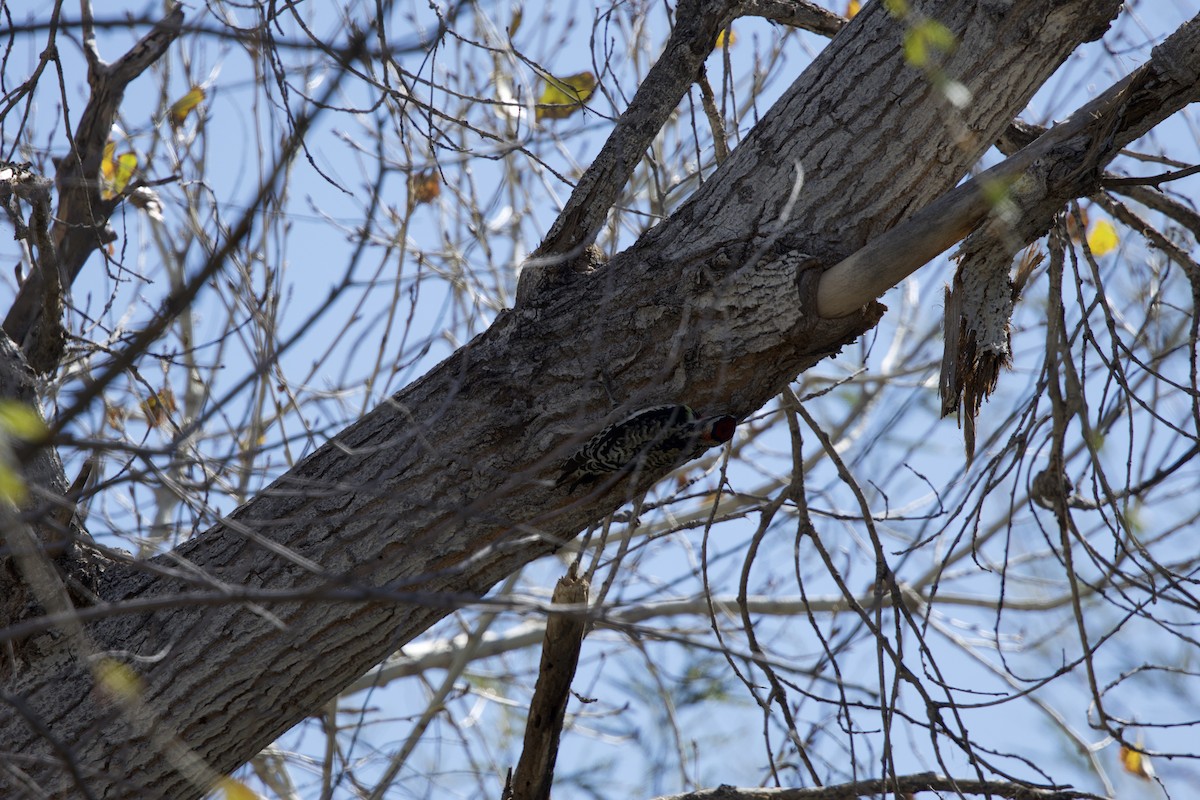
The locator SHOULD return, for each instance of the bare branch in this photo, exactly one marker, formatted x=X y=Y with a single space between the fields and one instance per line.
x=82 y=217
x=796 y=13
x=697 y=23
x=900 y=785
x=534 y=774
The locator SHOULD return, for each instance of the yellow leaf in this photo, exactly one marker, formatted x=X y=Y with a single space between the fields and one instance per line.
x=116 y=171
x=996 y=192
x=20 y=420
x=115 y=416
x=1136 y=763
x=852 y=9
x=726 y=38
x=17 y=421
x=117 y=680
x=424 y=187
x=246 y=445
x=236 y=790
x=158 y=406
x=518 y=15
x=12 y=485
x=184 y=106
x=562 y=97
x=1102 y=238
x=925 y=38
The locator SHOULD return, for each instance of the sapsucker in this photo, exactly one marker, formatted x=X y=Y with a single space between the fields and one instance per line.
x=650 y=440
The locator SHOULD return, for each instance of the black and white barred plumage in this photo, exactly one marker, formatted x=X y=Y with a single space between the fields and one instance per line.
x=651 y=441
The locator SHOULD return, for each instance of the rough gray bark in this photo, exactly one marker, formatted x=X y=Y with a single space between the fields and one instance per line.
x=534 y=774
x=440 y=492
x=47 y=525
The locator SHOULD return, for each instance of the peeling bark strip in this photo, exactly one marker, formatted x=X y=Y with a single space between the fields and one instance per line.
x=976 y=332
x=1062 y=164
x=446 y=488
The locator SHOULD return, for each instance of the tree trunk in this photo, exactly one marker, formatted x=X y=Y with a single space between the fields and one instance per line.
x=440 y=492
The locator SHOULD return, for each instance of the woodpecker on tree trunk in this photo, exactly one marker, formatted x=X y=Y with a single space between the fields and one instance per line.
x=649 y=441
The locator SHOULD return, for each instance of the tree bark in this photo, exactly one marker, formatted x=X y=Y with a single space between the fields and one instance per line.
x=444 y=489
x=534 y=774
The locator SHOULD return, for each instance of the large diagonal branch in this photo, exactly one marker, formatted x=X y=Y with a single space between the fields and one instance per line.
x=447 y=487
